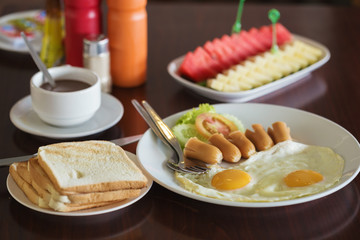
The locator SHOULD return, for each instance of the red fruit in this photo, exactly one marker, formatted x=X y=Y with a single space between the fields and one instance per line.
x=198 y=66
x=251 y=50
x=217 y=53
x=265 y=36
x=221 y=54
x=283 y=35
x=251 y=39
x=239 y=52
x=228 y=53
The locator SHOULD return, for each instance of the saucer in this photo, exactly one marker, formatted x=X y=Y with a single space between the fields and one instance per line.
x=23 y=117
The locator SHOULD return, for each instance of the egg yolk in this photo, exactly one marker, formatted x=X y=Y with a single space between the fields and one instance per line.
x=302 y=178
x=230 y=179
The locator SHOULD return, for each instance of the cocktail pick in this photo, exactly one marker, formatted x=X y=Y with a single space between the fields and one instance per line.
x=237 y=25
x=274 y=16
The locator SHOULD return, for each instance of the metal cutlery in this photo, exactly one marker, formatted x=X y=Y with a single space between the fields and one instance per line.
x=165 y=134
x=120 y=141
x=38 y=61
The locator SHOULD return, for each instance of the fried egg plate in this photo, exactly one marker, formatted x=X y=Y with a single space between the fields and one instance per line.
x=286 y=171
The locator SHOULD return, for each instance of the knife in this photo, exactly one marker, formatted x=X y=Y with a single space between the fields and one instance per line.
x=120 y=142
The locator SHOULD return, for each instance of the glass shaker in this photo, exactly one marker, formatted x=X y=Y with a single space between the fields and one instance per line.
x=96 y=57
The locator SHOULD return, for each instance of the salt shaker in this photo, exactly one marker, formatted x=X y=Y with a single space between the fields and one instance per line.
x=96 y=58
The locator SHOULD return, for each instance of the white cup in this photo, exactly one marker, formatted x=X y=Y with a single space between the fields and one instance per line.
x=65 y=109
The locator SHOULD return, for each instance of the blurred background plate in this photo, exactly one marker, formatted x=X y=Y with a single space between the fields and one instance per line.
x=7 y=44
x=244 y=96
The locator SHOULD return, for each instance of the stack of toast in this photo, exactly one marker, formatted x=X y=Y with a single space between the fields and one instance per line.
x=72 y=176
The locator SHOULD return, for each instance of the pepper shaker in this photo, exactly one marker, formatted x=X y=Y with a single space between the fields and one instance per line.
x=82 y=18
x=96 y=57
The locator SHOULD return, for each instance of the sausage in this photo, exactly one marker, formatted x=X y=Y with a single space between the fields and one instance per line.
x=245 y=146
x=259 y=137
x=230 y=152
x=280 y=132
x=199 y=150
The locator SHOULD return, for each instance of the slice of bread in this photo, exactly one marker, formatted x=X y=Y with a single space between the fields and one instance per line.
x=89 y=166
x=24 y=183
x=40 y=197
x=46 y=190
x=63 y=207
x=78 y=175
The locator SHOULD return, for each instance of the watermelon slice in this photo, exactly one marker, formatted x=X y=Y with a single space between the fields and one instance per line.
x=239 y=52
x=220 y=54
x=264 y=35
x=228 y=52
x=199 y=66
x=251 y=38
x=217 y=53
x=244 y=45
x=283 y=35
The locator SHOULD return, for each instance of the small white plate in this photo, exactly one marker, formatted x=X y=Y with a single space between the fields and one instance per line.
x=19 y=196
x=5 y=44
x=305 y=127
x=23 y=117
x=244 y=96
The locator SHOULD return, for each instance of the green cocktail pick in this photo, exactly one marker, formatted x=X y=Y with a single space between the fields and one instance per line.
x=237 y=25
x=274 y=16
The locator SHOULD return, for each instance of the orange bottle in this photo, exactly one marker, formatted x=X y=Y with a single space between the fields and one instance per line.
x=127 y=33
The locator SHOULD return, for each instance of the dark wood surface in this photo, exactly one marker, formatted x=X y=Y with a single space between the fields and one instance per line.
x=333 y=92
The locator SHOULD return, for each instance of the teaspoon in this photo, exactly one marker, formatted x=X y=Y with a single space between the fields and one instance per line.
x=38 y=61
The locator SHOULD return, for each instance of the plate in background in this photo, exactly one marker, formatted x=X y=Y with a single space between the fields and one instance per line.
x=244 y=96
x=8 y=45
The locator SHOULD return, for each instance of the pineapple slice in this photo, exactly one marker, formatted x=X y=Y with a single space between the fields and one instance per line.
x=266 y=67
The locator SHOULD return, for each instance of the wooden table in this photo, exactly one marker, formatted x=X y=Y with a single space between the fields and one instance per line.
x=333 y=91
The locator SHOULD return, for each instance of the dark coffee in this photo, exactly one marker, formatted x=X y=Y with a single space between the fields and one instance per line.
x=66 y=85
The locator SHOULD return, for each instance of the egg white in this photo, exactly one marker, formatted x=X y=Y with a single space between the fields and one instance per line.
x=267 y=170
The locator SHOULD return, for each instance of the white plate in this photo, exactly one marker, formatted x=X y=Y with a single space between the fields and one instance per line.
x=19 y=196
x=23 y=117
x=305 y=127
x=244 y=96
x=22 y=48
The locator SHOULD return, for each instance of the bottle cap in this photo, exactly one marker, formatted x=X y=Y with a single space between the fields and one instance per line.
x=96 y=44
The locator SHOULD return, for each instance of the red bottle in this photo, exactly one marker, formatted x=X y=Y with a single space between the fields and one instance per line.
x=82 y=17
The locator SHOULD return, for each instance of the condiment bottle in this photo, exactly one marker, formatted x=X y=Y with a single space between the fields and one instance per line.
x=96 y=58
x=52 y=49
x=127 y=33
x=82 y=18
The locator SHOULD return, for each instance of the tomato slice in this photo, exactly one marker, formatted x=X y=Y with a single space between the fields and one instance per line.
x=208 y=124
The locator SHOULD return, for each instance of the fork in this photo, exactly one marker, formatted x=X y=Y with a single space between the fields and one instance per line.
x=166 y=135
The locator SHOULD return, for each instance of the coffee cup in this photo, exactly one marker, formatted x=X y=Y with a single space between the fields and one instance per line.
x=74 y=100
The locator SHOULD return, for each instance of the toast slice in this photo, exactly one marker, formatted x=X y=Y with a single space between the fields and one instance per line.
x=24 y=183
x=46 y=190
x=89 y=166
x=20 y=173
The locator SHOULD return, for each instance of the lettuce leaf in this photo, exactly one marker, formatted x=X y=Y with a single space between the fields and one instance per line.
x=190 y=116
x=184 y=132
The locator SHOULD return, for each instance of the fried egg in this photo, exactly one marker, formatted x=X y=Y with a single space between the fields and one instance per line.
x=286 y=171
